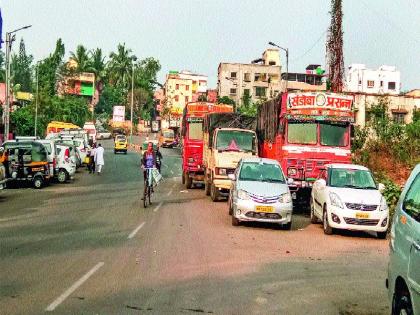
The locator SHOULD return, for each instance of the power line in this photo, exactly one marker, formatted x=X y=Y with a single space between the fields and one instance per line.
x=312 y=47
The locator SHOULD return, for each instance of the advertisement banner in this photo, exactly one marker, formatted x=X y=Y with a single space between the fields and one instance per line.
x=118 y=114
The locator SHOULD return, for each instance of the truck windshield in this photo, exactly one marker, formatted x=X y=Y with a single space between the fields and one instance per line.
x=234 y=140
x=351 y=178
x=333 y=135
x=302 y=133
x=263 y=172
x=195 y=131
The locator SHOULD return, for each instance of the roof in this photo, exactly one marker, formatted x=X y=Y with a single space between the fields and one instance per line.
x=347 y=166
x=259 y=160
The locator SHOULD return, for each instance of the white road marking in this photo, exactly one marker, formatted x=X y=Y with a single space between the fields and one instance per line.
x=132 y=234
x=165 y=166
x=157 y=207
x=73 y=288
x=169 y=193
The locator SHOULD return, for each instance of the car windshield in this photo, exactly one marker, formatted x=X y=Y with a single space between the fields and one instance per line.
x=168 y=134
x=235 y=140
x=351 y=178
x=302 y=133
x=264 y=172
x=411 y=203
x=122 y=139
x=333 y=135
x=195 y=131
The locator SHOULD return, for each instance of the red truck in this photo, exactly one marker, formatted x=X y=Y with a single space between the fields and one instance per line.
x=192 y=139
x=304 y=131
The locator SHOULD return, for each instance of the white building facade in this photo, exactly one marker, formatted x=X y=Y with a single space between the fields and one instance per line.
x=384 y=80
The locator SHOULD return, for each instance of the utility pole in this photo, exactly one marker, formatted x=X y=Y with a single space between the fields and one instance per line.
x=36 y=99
x=335 y=54
x=133 y=59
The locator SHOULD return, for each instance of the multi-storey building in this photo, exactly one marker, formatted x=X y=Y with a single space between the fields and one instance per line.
x=259 y=79
x=384 y=80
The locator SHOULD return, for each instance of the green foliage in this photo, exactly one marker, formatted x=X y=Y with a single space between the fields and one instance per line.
x=120 y=67
x=360 y=136
x=111 y=96
x=97 y=65
x=391 y=194
x=81 y=57
x=226 y=100
x=2 y=69
x=24 y=121
x=202 y=98
x=21 y=69
x=48 y=69
x=248 y=108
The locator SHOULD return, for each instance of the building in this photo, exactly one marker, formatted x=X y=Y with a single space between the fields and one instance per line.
x=311 y=80
x=384 y=80
x=259 y=79
x=179 y=89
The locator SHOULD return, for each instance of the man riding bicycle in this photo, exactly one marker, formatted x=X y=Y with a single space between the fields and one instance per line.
x=148 y=162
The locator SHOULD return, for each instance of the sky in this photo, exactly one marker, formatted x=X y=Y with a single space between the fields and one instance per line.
x=197 y=35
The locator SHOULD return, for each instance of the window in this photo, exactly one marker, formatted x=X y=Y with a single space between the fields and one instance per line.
x=276 y=92
x=351 y=178
x=195 y=131
x=233 y=74
x=302 y=133
x=177 y=87
x=370 y=83
x=360 y=82
x=382 y=84
x=247 y=77
x=257 y=77
x=266 y=172
x=391 y=85
x=176 y=98
x=186 y=99
x=247 y=92
x=260 y=91
x=399 y=118
x=232 y=91
x=333 y=135
x=187 y=88
x=411 y=203
x=236 y=141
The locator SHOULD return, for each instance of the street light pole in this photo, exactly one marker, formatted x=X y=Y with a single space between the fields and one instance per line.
x=10 y=37
x=36 y=99
x=287 y=60
x=133 y=59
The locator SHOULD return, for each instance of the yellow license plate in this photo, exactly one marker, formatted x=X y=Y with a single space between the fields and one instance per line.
x=362 y=215
x=264 y=209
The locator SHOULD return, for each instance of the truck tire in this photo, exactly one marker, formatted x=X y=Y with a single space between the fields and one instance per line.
x=188 y=181
x=214 y=193
x=38 y=182
x=207 y=187
x=183 y=178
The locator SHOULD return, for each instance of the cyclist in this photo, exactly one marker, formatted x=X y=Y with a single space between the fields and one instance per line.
x=148 y=161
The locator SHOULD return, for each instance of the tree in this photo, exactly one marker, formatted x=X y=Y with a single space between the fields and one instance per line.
x=81 y=58
x=49 y=67
x=97 y=66
x=23 y=120
x=2 y=69
x=21 y=69
x=120 y=67
x=226 y=100
x=110 y=96
x=248 y=108
x=202 y=98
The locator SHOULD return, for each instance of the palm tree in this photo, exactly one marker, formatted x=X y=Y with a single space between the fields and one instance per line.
x=119 y=67
x=96 y=65
x=81 y=58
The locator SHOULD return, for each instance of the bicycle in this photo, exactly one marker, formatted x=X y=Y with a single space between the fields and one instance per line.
x=148 y=187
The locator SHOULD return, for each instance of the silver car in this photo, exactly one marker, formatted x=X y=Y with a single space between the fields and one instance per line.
x=259 y=192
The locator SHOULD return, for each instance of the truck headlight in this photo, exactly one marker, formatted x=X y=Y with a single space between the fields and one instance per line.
x=285 y=198
x=242 y=194
x=291 y=171
x=190 y=160
x=384 y=205
x=221 y=171
x=335 y=200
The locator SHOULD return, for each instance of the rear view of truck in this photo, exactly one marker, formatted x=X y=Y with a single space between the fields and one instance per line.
x=192 y=139
x=228 y=137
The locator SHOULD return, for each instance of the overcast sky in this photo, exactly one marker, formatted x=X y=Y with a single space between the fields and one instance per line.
x=197 y=35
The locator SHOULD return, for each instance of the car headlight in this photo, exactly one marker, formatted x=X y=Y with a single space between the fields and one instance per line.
x=242 y=194
x=285 y=198
x=384 y=205
x=335 y=200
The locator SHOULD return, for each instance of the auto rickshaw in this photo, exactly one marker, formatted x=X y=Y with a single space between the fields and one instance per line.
x=26 y=161
x=120 y=144
x=167 y=138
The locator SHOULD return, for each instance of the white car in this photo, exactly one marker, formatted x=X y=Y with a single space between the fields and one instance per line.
x=103 y=134
x=66 y=167
x=345 y=196
x=259 y=192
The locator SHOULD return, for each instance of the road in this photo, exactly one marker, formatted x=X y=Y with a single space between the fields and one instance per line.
x=88 y=247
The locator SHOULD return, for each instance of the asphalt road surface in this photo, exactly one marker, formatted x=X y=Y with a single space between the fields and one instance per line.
x=89 y=247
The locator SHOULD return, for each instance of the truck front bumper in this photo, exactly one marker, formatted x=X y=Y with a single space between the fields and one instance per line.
x=222 y=183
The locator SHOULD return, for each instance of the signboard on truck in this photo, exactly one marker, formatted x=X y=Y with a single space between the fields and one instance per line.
x=118 y=114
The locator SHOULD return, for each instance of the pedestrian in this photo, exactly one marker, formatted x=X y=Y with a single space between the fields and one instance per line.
x=92 y=159
x=99 y=158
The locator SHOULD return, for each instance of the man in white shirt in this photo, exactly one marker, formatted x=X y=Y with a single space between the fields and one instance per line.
x=99 y=158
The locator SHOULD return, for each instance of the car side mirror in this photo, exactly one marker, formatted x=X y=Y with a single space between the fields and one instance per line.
x=290 y=181
x=232 y=177
x=381 y=187
x=322 y=182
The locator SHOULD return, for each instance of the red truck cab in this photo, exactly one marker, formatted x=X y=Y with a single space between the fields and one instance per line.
x=305 y=131
x=192 y=139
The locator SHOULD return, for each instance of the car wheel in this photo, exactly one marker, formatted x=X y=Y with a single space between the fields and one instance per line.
x=115 y=151
x=62 y=176
x=287 y=226
x=314 y=219
x=38 y=182
x=125 y=152
x=235 y=221
x=327 y=228
x=188 y=181
x=401 y=304
x=214 y=193
x=381 y=235
x=230 y=203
